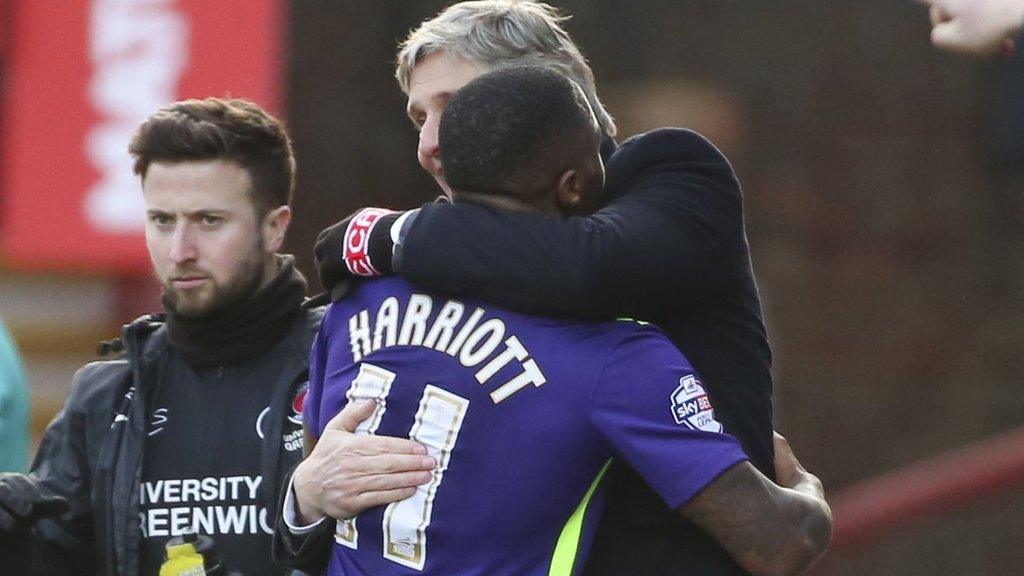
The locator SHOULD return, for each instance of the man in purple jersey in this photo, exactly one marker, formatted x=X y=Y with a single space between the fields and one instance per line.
x=521 y=415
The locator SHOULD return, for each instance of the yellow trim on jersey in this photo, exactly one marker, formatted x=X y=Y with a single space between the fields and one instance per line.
x=564 y=558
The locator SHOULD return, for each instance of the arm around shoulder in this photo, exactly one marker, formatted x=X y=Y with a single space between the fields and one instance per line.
x=668 y=236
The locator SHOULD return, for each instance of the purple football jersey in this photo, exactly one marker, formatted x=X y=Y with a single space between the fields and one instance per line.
x=522 y=413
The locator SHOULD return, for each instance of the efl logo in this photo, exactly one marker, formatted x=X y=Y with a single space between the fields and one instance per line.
x=357 y=237
x=691 y=406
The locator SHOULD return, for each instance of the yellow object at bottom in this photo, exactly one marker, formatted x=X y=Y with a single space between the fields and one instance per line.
x=183 y=560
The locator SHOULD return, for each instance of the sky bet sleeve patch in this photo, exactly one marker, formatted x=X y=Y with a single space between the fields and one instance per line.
x=692 y=407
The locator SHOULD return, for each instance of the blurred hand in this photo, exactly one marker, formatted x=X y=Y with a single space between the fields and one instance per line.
x=347 y=473
x=976 y=27
x=22 y=503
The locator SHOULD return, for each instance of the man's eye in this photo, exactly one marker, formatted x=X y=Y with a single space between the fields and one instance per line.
x=212 y=220
x=160 y=219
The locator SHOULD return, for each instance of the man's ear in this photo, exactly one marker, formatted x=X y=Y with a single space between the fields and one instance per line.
x=570 y=193
x=274 y=226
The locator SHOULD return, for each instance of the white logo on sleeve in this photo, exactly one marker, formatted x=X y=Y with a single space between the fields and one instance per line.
x=692 y=407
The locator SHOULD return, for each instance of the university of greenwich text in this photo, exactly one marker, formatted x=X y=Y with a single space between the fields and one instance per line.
x=213 y=505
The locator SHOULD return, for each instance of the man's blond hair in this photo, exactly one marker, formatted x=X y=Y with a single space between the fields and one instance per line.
x=497 y=33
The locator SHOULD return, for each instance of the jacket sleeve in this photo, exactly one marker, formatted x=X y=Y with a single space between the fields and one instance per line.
x=309 y=552
x=659 y=243
x=63 y=466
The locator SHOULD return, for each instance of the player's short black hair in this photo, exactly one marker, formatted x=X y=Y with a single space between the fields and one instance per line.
x=215 y=129
x=513 y=129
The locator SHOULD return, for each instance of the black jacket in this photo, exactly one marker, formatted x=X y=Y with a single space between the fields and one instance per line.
x=670 y=248
x=92 y=452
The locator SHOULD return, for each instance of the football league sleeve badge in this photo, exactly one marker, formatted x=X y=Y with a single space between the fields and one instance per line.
x=691 y=406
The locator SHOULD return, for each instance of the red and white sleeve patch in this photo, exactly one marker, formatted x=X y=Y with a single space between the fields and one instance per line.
x=357 y=241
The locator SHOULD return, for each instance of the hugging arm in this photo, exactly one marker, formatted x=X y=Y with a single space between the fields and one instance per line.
x=667 y=239
x=677 y=211
x=769 y=529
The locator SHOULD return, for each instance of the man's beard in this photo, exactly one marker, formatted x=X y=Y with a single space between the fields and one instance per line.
x=245 y=282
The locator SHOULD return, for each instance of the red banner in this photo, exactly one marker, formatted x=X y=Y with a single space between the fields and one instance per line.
x=80 y=78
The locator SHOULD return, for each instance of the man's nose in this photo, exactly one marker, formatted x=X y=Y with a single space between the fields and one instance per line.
x=183 y=247
x=428 y=147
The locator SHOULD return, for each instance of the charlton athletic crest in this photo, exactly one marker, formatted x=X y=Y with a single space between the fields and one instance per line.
x=692 y=407
x=297 y=403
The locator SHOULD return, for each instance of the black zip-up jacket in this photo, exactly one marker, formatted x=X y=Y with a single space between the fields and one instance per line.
x=670 y=248
x=92 y=453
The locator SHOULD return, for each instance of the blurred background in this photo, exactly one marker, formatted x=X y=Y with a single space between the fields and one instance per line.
x=882 y=181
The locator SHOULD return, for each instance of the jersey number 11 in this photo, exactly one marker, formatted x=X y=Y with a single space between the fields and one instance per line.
x=436 y=425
